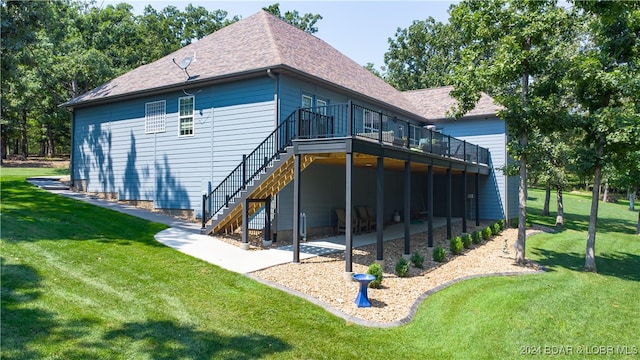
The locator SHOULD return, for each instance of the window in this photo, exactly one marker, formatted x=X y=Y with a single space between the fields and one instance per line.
x=415 y=133
x=321 y=106
x=371 y=121
x=185 y=105
x=154 y=118
x=307 y=101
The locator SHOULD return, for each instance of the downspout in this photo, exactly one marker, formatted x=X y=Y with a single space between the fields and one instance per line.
x=71 y=155
x=276 y=102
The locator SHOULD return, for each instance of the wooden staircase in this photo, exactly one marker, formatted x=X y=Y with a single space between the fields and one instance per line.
x=268 y=184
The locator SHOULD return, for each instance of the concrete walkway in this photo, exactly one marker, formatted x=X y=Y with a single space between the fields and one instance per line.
x=185 y=237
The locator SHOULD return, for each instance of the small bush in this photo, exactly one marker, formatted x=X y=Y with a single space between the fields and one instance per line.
x=476 y=237
x=466 y=240
x=455 y=245
x=402 y=267
x=376 y=270
x=501 y=223
x=417 y=260
x=495 y=229
x=486 y=233
x=439 y=254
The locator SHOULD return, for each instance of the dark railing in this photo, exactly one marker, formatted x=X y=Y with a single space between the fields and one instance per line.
x=251 y=165
x=339 y=120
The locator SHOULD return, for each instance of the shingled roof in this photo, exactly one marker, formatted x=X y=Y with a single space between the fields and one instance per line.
x=434 y=103
x=259 y=42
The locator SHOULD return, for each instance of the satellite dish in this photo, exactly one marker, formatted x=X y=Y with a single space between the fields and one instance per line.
x=184 y=64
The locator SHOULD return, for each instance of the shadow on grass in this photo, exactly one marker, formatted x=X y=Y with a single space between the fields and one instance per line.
x=621 y=265
x=31 y=214
x=29 y=332
x=581 y=223
x=168 y=340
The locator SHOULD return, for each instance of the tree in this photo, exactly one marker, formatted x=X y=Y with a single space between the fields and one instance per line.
x=608 y=93
x=507 y=45
x=422 y=55
x=305 y=22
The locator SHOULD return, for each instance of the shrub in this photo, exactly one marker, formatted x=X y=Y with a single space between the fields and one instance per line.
x=476 y=237
x=466 y=240
x=376 y=270
x=486 y=233
x=417 y=260
x=455 y=245
x=439 y=254
x=402 y=267
x=495 y=229
x=501 y=223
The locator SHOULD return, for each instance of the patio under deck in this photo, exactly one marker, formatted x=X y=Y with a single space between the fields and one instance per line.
x=355 y=151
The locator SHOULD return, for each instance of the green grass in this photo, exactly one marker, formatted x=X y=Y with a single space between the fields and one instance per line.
x=84 y=282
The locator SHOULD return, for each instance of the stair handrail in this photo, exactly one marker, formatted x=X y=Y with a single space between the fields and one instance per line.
x=250 y=166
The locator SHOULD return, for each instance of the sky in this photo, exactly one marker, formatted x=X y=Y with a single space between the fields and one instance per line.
x=358 y=29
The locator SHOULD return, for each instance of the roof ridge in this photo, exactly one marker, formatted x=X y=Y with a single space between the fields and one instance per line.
x=267 y=17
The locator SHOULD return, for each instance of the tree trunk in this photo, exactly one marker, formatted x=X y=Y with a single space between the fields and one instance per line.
x=522 y=205
x=50 y=141
x=606 y=190
x=547 y=197
x=560 y=214
x=522 y=186
x=590 y=255
x=638 y=225
x=24 y=149
x=632 y=201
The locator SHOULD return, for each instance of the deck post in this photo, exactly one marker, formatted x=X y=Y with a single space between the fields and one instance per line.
x=407 y=208
x=448 y=201
x=349 y=118
x=267 y=219
x=430 y=205
x=477 y=197
x=296 y=208
x=348 y=233
x=245 y=225
x=464 y=201
x=380 y=210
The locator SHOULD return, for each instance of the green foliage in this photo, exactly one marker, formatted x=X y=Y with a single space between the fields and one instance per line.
x=402 y=267
x=422 y=55
x=476 y=237
x=417 y=260
x=495 y=229
x=455 y=245
x=376 y=270
x=501 y=224
x=305 y=22
x=466 y=240
x=486 y=233
x=439 y=254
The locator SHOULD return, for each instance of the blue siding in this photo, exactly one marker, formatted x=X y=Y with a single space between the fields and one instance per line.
x=112 y=153
x=491 y=134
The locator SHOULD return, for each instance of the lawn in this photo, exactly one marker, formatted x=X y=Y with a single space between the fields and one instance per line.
x=84 y=282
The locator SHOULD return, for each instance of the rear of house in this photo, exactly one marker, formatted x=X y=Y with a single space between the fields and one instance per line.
x=155 y=138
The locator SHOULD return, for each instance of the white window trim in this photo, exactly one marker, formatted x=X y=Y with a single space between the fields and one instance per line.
x=155 y=117
x=181 y=117
x=372 y=115
x=310 y=98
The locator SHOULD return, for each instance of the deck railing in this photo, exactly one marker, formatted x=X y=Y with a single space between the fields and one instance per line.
x=338 y=120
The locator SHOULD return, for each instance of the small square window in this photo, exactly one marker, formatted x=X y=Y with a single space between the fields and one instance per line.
x=155 y=117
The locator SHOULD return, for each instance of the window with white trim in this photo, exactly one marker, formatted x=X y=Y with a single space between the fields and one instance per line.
x=185 y=106
x=155 y=117
x=321 y=106
x=415 y=133
x=307 y=101
x=371 y=121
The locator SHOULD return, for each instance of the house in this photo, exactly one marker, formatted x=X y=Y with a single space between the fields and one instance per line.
x=262 y=120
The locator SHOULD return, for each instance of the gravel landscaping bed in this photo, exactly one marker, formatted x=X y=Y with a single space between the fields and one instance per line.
x=322 y=277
